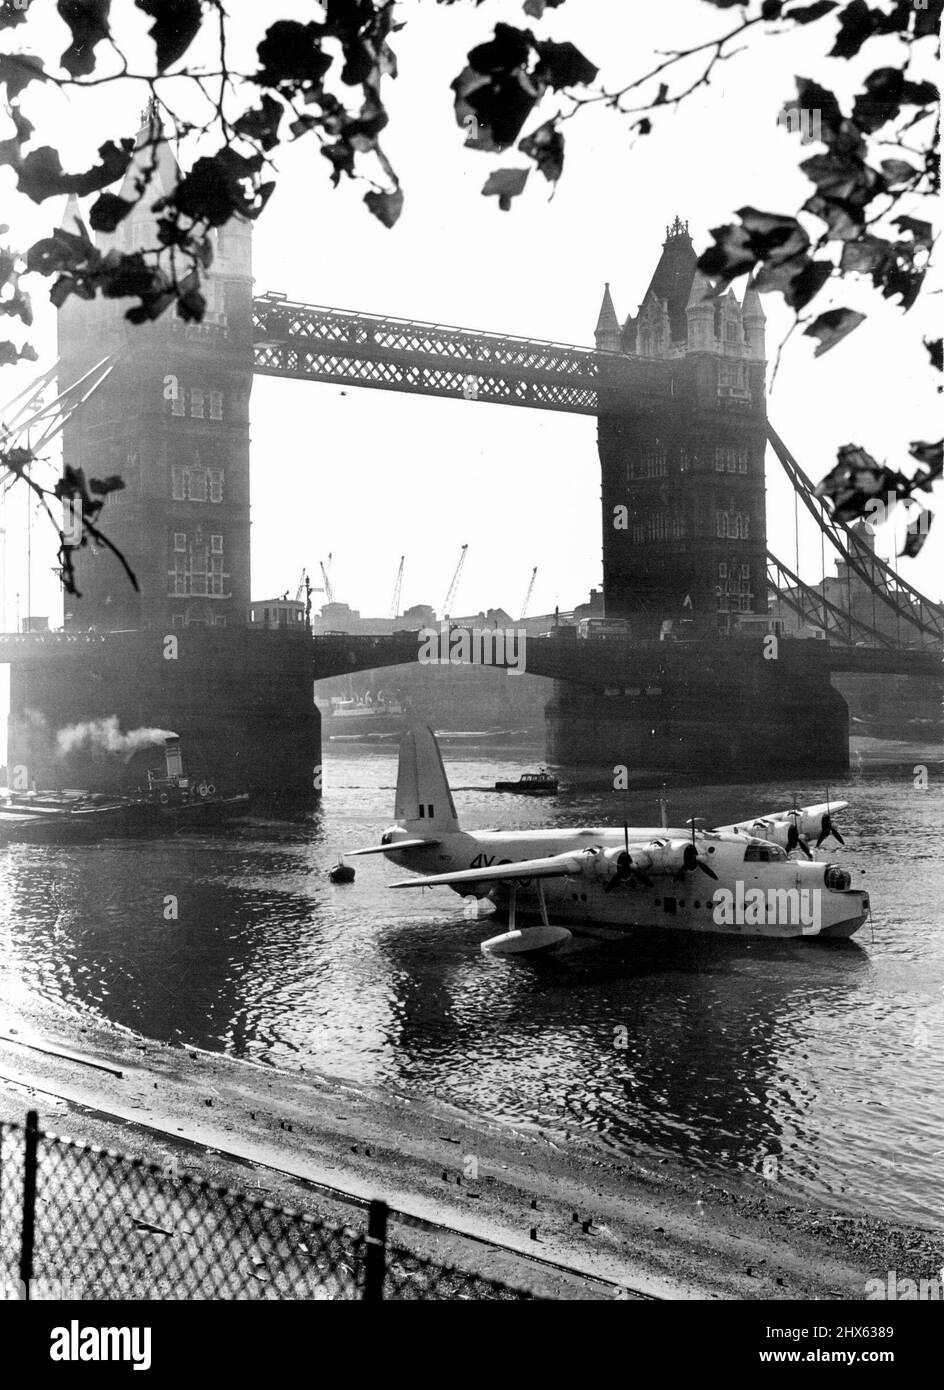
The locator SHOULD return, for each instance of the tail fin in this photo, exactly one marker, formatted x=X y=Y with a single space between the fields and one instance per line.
x=424 y=802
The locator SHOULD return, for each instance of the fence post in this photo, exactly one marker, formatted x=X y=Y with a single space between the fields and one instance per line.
x=31 y=1136
x=375 y=1265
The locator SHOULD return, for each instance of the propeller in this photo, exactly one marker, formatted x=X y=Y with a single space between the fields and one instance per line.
x=691 y=861
x=827 y=828
x=796 y=841
x=626 y=870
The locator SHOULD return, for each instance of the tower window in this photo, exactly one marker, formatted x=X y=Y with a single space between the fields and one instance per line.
x=177 y=406
x=733 y=525
x=730 y=460
x=216 y=545
x=196 y=403
x=198 y=484
x=216 y=484
x=178 y=483
x=180 y=540
x=216 y=405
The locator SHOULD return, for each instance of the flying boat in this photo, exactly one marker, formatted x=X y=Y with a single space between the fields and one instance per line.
x=754 y=878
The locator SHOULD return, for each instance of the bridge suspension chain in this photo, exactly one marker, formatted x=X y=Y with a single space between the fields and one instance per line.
x=908 y=604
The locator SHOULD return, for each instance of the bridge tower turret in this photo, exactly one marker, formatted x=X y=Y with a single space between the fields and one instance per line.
x=682 y=433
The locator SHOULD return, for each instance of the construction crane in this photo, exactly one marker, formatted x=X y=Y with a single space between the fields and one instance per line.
x=397 y=590
x=527 y=597
x=328 y=592
x=451 y=591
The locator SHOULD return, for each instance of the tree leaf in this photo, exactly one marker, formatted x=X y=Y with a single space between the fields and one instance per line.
x=546 y=148
x=869 y=255
x=291 y=59
x=563 y=65
x=262 y=122
x=41 y=176
x=88 y=21
x=386 y=207
x=107 y=211
x=805 y=284
x=508 y=51
x=917 y=533
x=922 y=232
x=498 y=104
x=10 y=354
x=806 y=14
x=176 y=25
x=935 y=347
x=505 y=184
x=536 y=8
x=18 y=70
x=929 y=454
x=832 y=326
x=11 y=14
x=897 y=171
x=857 y=23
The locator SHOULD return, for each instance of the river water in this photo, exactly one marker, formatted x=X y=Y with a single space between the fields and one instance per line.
x=819 y=1067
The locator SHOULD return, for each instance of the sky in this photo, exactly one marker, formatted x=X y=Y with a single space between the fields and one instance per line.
x=372 y=475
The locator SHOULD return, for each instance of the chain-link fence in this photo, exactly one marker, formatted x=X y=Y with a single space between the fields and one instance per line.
x=80 y=1222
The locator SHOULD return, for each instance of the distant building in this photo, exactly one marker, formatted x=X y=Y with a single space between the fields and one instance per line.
x=848 y=592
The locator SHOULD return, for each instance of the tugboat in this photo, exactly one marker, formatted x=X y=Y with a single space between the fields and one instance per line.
x=531 y=784
x=170 y=802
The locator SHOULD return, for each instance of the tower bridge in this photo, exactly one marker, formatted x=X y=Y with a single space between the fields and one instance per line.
x=679 y=396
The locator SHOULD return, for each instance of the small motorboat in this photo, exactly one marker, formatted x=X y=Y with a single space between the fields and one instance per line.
x=531 y=784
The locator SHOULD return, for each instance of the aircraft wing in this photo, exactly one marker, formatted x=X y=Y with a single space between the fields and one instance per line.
x=808 y=819
x=555 y=866
x=394 y=845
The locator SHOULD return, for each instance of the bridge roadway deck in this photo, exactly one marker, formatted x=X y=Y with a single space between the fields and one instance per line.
x=597 y=662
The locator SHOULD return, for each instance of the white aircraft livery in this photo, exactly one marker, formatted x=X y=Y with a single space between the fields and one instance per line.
x=754 y=878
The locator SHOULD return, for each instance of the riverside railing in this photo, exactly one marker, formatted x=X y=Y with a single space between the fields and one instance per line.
x=78 y=1222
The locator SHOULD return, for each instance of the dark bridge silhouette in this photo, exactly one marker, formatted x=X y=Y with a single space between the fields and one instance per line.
x=594 y=662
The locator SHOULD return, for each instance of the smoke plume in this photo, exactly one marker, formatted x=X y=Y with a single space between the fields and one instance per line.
x=104 y=736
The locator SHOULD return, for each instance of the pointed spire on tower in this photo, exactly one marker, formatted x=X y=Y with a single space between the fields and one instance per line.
x=607 y=332
x=701 y=292
x=72 y=213
x=750 y=304
x=151 y=147
x=754 y=319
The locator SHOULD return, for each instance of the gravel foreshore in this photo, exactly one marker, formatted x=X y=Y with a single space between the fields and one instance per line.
x=501 y=1203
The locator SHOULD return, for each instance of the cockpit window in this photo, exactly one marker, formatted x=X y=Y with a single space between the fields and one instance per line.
x=764 y=854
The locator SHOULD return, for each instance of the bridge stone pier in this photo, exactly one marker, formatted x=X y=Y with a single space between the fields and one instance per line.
x=241 y=701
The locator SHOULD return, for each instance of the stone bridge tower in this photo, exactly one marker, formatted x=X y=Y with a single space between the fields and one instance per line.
x=682 y=434
x=172 y=421
x=682 y=438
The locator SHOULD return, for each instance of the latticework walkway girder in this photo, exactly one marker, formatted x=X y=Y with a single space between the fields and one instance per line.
x=313 y=343
x=335 y=345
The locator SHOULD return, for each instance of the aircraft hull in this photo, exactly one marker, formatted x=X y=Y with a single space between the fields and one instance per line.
x=688 y=909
